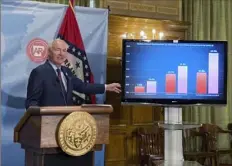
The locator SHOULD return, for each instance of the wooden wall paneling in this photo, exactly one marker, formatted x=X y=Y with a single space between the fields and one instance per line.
x=119 y=25
x=132 y=152
x=120 y=114
x=157 y=9
x=158 y=113
x=142 y=115
x=146 y=115
x=116 y=151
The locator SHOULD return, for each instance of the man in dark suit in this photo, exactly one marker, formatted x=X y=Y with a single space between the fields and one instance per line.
x=51 y=84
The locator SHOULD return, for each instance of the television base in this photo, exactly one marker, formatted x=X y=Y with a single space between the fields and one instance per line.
x=173 y=125
x=180 y=163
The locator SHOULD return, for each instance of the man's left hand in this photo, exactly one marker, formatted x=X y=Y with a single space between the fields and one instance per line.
x=114 y=87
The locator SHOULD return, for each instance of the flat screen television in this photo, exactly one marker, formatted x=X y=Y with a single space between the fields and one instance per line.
x=174 y=72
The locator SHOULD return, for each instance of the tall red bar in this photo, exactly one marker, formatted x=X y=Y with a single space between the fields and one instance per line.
x=170 y=83
x=201 y=83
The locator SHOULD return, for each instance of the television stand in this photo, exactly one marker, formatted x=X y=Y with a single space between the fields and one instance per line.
x=173 y=125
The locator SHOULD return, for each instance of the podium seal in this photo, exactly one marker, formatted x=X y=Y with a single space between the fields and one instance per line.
x=77 y=133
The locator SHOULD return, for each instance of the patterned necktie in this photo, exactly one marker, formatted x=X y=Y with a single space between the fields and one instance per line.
x=61 y=80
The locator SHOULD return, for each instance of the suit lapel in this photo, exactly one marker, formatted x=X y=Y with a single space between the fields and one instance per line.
x=50 y=68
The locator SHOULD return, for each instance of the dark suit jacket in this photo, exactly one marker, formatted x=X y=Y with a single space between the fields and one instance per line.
x=44 y=87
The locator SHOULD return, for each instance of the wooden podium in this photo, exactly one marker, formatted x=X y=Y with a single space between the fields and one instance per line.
x=37 y=134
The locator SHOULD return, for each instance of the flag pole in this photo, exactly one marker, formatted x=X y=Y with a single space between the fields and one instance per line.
x=108 y=7
x=71 y=4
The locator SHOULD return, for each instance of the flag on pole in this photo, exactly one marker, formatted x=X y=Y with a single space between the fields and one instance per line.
x=77 y=60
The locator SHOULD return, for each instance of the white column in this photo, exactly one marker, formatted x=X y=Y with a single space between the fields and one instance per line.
x=173 y=152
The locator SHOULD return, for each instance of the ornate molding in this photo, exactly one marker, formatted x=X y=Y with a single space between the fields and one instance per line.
x=147 y=9
x=167 y=10
x=117 y=5
x=142 y=7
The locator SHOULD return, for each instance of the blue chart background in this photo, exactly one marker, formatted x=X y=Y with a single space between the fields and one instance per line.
x=154 y=61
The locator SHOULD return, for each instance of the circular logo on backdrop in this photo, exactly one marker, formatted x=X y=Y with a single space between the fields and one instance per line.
x=37 y=50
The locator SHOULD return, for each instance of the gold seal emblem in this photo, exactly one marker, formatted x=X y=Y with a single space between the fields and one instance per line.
x=77 y=133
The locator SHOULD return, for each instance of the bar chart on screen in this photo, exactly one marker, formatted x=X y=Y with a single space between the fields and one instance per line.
x=176 y=80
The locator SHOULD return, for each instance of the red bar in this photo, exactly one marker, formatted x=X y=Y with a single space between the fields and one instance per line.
x=201 y=83
x=139 y=89
x=170 y=83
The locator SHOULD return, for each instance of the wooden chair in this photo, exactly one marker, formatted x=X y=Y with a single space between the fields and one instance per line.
x=196 y=147
x=213 y=131
x=151 y=144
